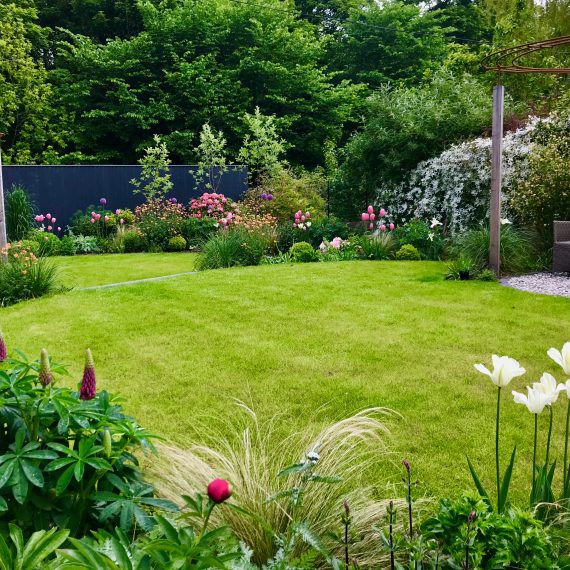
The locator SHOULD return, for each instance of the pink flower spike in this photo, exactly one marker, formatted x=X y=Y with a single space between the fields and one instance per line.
x=391 y=226
x=365 y=217
x=370 y=210
x=372 y=217
x=382 y=212
x=382 y=228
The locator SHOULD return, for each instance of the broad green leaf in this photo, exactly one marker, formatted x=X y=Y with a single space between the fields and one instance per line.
x=49 y=542
x=78 y=470
x=20 y=485
x=504 y=491
x=17 y=538
x=5 y=555
x=3 y=505
x=476 y=480
x=59 y=463
x=64 y=480
x=41 y=454
x=292 y=469
x=33 y=473
x=6 y=471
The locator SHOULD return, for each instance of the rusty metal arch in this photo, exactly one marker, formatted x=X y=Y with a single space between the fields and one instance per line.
x=507 y=60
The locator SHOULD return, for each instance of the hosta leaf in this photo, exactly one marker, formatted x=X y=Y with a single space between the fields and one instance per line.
x=33 y=473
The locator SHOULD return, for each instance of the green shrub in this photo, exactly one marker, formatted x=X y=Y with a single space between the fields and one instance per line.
x=158 y=221
x=48 y=243
x=427 y=240
x=303 y=252
x=458 y=268
x=176 y=243
x=133 y=242
x=408 y=253
x=19 y=214
x=514 y=539
x=376 y=247
x=29 y=245
x=26 y=278
x=86 y=244
x=198 y=231
x=486 y=275
x=111 y=245
x=232 y=247
x=71 y=453
x=67 y=246
x=518 y=248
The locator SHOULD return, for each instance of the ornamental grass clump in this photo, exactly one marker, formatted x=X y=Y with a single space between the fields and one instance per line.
x=252 y=456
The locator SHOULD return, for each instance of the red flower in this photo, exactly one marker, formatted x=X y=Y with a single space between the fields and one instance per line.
x=88 y=388
x=219 y=490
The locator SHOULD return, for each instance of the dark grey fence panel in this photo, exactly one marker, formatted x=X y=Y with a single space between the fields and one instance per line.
x=62 y=190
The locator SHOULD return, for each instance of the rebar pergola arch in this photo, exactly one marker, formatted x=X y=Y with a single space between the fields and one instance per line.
x=508 y=60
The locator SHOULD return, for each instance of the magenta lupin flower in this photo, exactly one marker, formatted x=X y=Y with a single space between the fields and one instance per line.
x=45 y=376
x=3 y=351
x=88 y=387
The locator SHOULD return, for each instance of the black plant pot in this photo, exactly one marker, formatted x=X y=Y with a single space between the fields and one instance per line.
x=464 y=275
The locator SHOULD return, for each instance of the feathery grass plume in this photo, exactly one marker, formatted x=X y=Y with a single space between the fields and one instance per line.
x=89 y=382
x=3 y=351
x=45 y=376
x=250 y=454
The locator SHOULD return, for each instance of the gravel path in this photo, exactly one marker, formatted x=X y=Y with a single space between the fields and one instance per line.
x=545 y=283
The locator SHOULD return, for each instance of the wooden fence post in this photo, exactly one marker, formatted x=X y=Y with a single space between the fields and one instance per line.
x=496 y=180
x=3 y=237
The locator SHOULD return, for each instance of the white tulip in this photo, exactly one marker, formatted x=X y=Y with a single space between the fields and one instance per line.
x=504 y=370
x=561 y=358
x=535 y=401
x=549 y=386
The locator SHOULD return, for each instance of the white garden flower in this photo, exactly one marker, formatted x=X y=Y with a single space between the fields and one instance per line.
x=504 y=370
x=505 y=221
x=561 y=358
x=430 y=236
x=535 y=401
x=435 y=223
x=549 y=386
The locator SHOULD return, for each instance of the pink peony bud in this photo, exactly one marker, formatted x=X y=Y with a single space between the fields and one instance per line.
x=365 y=217
x=3 y=351
x=370 y=210
x=44 y=375
x=98 y=216
x=93 y=214
x=38 y=218
x=219 y=490
x=88 y=387
x=391 y=226
x=382 y=228
x=382 y=212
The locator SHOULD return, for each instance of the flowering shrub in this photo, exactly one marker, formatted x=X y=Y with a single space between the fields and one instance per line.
x=158 y=221
x=67 y=455
x=216 y=206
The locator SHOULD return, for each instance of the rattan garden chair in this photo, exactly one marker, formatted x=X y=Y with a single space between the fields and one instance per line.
x=561 y=252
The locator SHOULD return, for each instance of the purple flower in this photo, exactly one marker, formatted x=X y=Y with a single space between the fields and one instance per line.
x=264 y=196
x=406 y=464
x=269 y=197
x=88 y=387
x=45 y=376
x=174 y=200
x=3 y=351
x=471 y=517
x=103 y=201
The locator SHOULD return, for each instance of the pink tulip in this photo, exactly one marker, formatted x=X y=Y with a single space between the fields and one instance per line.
x=371 y=227
x=365 y=217
x=92 y=220
x=307 y=215
x=372 y=217
x=382 y=228
x=93 y=214
x=38 y=218
x=106 y=218
x=370 y=210
x=48 y=216
x=58 y=229
x=122 y=221
x=391 y=226
x=49 y=228
x=302 y=218
x=382 y=212
x=53 y=220
x=117 y=212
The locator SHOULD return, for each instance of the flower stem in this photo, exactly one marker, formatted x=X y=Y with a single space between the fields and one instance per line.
x=548 y=440
x=533 y=492
x=565 y=475
x=209 y=510
x=497 y=424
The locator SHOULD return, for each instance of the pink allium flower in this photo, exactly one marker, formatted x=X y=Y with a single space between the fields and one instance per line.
x=382 y=228
x=88 y=387
x=365 y=217
x=103 y=201
x=219 y=490
x=49 y=228
x=3 y=351
x=391 y=226
x=370 y=210
x=45 y=376
x=382 y=212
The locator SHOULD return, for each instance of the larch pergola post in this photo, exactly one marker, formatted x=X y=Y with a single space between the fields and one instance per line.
x=3 y=236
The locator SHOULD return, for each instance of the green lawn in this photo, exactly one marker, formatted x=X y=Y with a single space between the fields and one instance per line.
x=311 y=342
x=90 y=270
